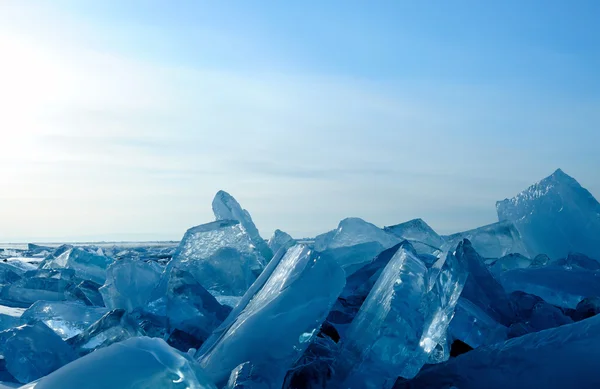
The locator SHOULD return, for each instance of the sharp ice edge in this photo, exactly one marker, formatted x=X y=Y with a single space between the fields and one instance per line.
x=411 y=298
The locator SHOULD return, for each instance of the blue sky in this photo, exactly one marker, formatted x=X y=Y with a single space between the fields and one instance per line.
x=121 y=119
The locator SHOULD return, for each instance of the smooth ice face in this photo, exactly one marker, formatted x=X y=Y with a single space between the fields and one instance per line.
x=401 y=322
x=87 y=265
x=137 y=363
x=534 y=314
x=482 y=288
x=280 y=320
x=353 y=231
x=556 y=216
x=491 y=241
x=67 y=319
x=225 y=207
x=354 y=243
x=9 y=273
x=417 y=230
x=10 y=317
x=32 y=351
x=130 y=283
x=562 y=357
x=280 y=239
x=221 y=256
x=556 y=285
x=475 y=327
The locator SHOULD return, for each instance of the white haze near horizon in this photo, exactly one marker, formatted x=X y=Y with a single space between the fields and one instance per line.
x=99 y=144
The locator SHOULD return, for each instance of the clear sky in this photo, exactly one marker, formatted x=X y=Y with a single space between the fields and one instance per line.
x=122 y=119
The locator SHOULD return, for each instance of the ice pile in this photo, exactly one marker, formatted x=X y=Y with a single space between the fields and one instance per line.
x=510 y=304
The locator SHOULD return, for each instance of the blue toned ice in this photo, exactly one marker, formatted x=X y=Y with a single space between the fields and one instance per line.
x=279 y=321
x=225 y=207
x=403 y=319
x=137 y=363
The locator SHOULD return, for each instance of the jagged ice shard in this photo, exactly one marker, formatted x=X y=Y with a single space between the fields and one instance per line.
x=87 y=265
x=221 y=256
x=225 y=207
x=401 y=322
x=491 y=241
x=130 y=284
x=357 y=307
x=279 y=321
x=354 y=242
x=280 y=240
x=555 y=217
x=419 y=234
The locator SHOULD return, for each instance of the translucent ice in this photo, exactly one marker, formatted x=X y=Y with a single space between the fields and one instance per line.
x=354 y=243
x=417 y=230
x=353 y=231
x=87 y=265
x=279 y=321
x=67 y=319
x=188 y=306
x=558 y=358
x=474 y=326
x=403 y=319
x=220 y=255
x=225 y=207
x=137 y=363
x=280 y=239
x=9 y=273
x=482 y=288
x=32 y=351
x=491 y=241
x=509 y=262
x=556 y=285
x=113 y=327
x=10 y=317
x=555 y=217
x=534 y=314
x=130 y=283
x=242 y=377
x=44 y=284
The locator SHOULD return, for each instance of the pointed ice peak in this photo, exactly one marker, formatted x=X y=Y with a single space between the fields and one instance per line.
x=555 y=216
x=280 y=239
x=226 y=207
